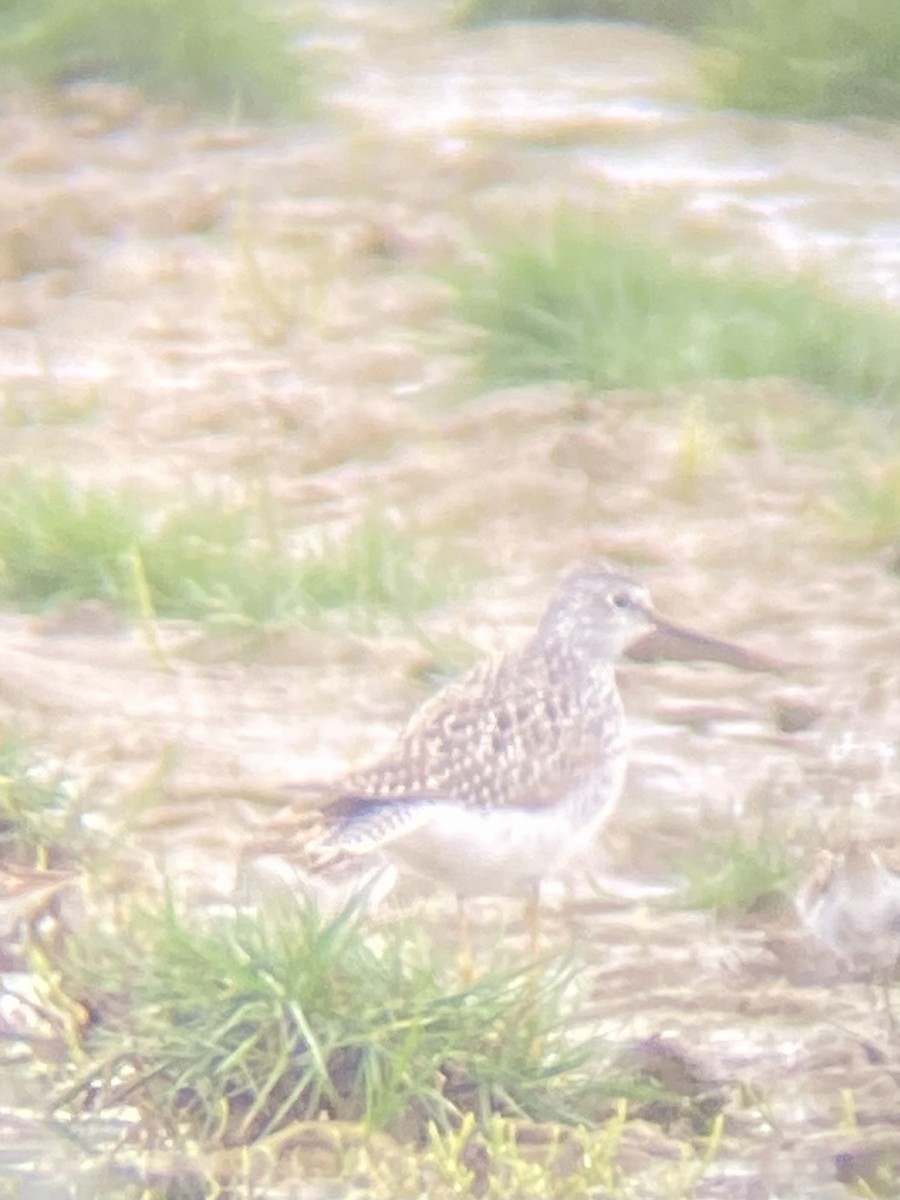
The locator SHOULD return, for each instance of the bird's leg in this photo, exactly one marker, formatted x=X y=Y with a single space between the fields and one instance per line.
x=533 y=920
x=466 y=965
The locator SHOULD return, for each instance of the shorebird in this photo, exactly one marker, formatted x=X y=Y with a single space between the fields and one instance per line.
x=850 y=903
x=503 y=777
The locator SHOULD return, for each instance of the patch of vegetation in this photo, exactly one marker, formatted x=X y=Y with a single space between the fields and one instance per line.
x=39 y=825
x=681 y=15
x=580 y=301
x=225 y=563
x=59 y=543
x=728 y=878
x=813 y=58
x=43 y=847
x=231 y=56
x=227 y=1031
x=271 y=292
x=867 y=514
x=506 y=1162
x=253 y=1049
x=229 y=566
x=698 y=449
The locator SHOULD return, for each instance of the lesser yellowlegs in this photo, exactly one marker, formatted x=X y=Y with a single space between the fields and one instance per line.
x=501 y=778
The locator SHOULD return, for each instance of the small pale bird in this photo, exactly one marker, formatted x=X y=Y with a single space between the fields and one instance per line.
x=850 y=903
x=504 y=776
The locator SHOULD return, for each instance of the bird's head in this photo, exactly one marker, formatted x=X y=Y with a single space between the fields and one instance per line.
x=597 y=614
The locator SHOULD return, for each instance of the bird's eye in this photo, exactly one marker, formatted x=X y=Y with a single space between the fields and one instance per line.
x=621 y=600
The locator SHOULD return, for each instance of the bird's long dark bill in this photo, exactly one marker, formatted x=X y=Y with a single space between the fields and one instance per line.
x=672 y=641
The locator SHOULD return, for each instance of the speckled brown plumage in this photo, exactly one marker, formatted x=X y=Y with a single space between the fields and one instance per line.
x=501 y=778
x=497 y=780
x=511 y=732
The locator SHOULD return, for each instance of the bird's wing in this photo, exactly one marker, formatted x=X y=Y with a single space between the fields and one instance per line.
x=505 y=735
x=362 y=824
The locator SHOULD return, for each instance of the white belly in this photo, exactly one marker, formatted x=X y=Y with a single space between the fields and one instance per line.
x=479 y=852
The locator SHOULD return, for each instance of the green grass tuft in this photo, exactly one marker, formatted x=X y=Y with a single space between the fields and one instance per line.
x=226 y=1031
x=231 y=56
x=681 y=15
x=61 y=543
x=812 y=58
x=39 y=825
x=729 y=878
x=581 y=302
x=224 y=563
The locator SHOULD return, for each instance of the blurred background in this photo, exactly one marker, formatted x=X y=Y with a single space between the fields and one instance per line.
x=330 y=335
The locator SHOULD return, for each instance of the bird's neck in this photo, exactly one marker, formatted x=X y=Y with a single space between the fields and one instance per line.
x=585 y=687
x=588 y=673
